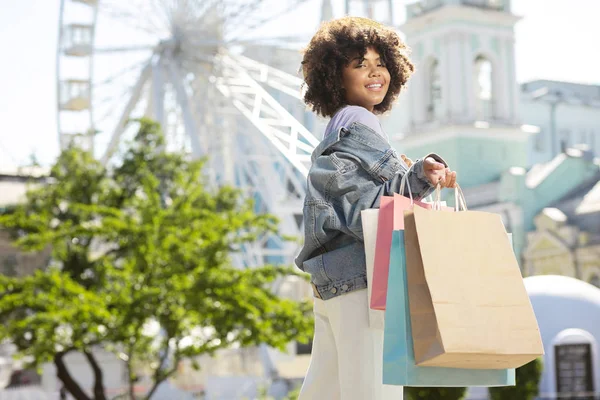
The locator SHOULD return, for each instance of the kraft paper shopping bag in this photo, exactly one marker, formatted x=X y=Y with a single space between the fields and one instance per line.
x=468 y=303
x=399 y=367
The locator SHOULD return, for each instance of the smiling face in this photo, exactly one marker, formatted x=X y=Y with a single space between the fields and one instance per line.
x=366 y=80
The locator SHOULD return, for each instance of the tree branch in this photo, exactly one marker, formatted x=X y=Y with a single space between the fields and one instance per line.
x=98 y=377
x=130 y=379
x=160 y=377
x=69 y=383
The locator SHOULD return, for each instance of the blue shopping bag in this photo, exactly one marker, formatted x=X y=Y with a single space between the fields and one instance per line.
x=399 y=366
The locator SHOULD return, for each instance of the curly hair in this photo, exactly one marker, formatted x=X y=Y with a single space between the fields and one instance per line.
x=333 y=47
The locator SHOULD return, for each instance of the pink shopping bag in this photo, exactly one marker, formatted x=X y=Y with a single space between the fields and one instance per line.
x=391 y=218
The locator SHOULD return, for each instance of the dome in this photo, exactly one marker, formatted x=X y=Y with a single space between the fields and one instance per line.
x=568 y=313
x=564 y=287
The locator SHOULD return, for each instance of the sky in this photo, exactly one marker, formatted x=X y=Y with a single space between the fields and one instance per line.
x=556 y=39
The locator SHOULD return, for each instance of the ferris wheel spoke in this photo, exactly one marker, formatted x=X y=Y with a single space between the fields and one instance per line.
x=249 y=28
x=131 y=19
x=109 y=104
x=113 y=77
x=133 y=100
x=160 y=11
x=124 y=49
x=253 y=101
x=273 y=77
x=234 y=16
x=184 y=103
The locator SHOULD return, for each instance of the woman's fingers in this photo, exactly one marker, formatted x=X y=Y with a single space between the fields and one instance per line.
x=451 y=179
x=407 y=160
x=431 y=164
x=448 y=180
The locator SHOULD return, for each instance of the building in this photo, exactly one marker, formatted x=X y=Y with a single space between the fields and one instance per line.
x=13 y=186
x=571 y=354
x=526 y=151
x=566 y=237
x=516 y=148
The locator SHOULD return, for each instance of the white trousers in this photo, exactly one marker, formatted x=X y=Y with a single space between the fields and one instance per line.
x=347 y=354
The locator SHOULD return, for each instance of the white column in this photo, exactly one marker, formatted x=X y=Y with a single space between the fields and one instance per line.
x=455 y=85
x=446 y=77
x=514 y=114
x=417 y=91
x=468 y=70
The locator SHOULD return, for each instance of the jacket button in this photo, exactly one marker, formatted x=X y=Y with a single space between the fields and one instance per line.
x=333 y=290
x=344 y=287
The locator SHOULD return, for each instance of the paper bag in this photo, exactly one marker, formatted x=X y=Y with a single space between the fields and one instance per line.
x=468 y=303
x=399 y=366
x=369 y=220
x=391 y=217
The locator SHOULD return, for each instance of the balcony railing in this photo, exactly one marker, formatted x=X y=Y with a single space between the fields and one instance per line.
x=497 y=5
x=421 y=7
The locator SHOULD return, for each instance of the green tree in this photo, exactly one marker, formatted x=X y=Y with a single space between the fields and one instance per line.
x=528 y=380
x=142 y=244
x=434 y=393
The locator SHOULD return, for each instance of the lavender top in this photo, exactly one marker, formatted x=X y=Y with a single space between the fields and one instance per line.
x=345 y=116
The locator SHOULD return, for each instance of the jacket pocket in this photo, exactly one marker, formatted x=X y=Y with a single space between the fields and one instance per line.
x=316 y=269
x=389 y=166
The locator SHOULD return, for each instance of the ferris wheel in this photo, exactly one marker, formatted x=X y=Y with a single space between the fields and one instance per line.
x=193 y=66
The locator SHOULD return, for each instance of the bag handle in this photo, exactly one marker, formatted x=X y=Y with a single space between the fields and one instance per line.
x=404 y=183
x=459 y=198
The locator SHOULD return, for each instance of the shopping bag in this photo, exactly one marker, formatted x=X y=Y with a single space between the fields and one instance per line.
x=468 y=303
x=399 y=367
x=391 y=217
x=369 y=220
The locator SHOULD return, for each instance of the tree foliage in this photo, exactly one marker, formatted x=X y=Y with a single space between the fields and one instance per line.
x=527 y=383
x=434 y=393
x=145 y=243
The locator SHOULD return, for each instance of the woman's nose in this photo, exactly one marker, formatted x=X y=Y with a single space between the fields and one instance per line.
x=374 y=71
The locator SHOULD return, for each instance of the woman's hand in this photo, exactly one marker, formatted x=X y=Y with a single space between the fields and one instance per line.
x=436 y=173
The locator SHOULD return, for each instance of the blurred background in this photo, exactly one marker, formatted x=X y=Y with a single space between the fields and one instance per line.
x=507 y=91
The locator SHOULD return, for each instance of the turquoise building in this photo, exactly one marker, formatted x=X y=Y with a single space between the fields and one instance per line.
x=517 y=148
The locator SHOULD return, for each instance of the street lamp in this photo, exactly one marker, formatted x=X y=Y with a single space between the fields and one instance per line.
x=554 y=98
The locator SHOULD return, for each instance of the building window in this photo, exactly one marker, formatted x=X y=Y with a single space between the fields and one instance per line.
x=483 y=88
x=574 y=372
x=9 y=265
x=434 y=108
x=583 y=137
x=565 y=139
x=539 y=141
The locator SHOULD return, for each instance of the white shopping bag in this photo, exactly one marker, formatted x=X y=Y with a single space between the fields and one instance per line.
x=369 y=224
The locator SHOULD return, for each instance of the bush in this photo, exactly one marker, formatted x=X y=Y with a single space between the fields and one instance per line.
x=527 y=388
x=434 y=393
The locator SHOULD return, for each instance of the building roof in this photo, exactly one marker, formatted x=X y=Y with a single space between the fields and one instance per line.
x=539 y=172
x=564 y=287
x=582 y=205
x=570 y=92
x=15 y=182
x=482 y=195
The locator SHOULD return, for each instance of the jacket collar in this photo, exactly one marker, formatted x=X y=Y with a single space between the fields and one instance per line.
x=356 y=131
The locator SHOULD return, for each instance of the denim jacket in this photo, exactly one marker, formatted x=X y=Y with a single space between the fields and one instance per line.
x=350 y=171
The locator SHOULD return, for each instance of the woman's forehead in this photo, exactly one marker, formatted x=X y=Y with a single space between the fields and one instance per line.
x=368 y=52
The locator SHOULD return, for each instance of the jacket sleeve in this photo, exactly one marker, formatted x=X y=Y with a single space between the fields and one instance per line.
x=349 y=188
x=419 y=185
